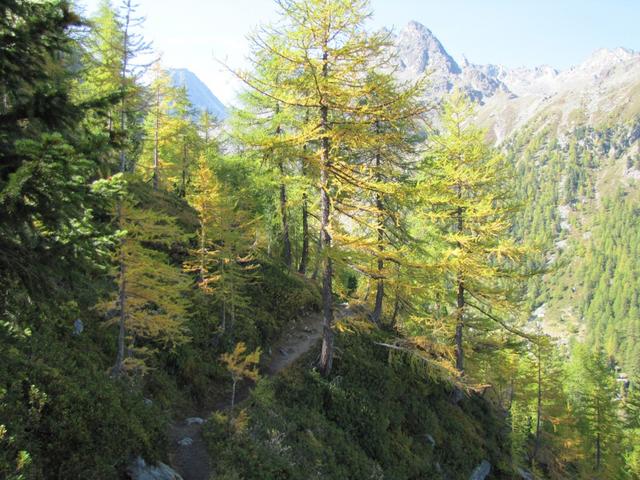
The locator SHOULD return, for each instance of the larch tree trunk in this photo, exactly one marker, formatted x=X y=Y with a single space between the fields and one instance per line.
x=536 y=445
x=122 y=299
x=304 y=255
x=316 y=268
x=377 y=310
x=460 y=303
x=598 y=440
x=460 y=327
x=286 y=240
x=233 y=393
x=326 y=355
x=185 y=164
x=118 y=368
x=224 y=303
x=203 y=252
x=156 y=143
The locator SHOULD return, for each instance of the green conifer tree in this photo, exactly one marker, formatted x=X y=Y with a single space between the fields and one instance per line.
x=464 y=191
x=151 y=297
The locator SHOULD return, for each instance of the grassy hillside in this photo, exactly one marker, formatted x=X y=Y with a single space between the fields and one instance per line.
x=380 y=415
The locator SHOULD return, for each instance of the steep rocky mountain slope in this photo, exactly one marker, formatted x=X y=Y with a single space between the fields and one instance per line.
x=199 y=94
x=606 y=85
x=574 y=138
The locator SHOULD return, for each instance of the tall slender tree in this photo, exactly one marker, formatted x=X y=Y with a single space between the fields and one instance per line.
x=465 y=193
x=224 y=259
x=132 y=45
x=151 y=297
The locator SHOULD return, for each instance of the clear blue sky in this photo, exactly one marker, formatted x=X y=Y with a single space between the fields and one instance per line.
x=561 y=33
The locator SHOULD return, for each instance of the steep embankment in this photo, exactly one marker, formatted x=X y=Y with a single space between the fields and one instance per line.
x=381 y=414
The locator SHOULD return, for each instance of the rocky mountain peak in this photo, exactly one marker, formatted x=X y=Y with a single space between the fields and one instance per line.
x=419 y=51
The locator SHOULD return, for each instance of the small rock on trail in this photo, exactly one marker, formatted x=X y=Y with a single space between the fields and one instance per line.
x=185 y=442
x=194 y=421
x=139 y=470
x=482 y=471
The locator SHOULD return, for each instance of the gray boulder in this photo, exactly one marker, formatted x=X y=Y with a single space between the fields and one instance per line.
x=482 y=471
x=139 y=470
x=431 y=440
x=78 y=327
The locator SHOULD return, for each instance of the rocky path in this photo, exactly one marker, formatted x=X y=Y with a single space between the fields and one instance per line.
x=188 y=453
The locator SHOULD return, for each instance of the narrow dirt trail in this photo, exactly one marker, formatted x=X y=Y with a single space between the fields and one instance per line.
x=192 y=460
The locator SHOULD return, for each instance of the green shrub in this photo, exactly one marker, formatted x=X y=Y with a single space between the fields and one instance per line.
x=60 y=406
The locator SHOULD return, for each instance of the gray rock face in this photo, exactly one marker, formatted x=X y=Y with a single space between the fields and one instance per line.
x=419 y=52
x=139 y=470
x=482 y=471
x=481 y=81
